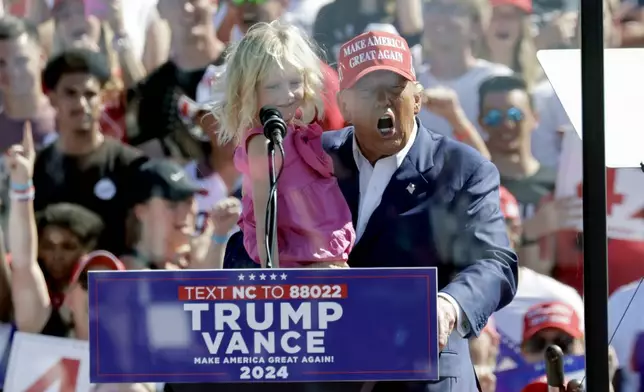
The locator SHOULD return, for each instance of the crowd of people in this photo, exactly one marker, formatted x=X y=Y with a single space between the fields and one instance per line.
x=131 y=141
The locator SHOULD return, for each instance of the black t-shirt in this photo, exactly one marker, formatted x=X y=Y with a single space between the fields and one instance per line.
x=153 y=109
x=530 y=191
x=98 y=181
x=56 y=326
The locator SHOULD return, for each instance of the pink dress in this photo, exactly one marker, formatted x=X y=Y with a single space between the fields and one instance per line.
x=313 y=220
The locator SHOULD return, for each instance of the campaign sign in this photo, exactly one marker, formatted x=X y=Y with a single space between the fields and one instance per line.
x=516 y=379
x=281 y=325
x=40 y=363
x=509 y=353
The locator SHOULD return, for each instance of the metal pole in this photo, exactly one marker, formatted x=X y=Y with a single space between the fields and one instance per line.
x=594 y=193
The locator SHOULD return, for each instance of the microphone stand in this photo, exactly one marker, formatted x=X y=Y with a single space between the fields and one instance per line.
x=274 y=131
x=272 y=207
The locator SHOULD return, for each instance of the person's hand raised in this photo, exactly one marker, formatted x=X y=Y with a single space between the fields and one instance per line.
x=225 y=215
x=20 y=158
x=114 y=16
x=553 y=216
x=559 y=32
x=442 y=102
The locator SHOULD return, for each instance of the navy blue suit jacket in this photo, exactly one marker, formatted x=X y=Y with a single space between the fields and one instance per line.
x=451 y=220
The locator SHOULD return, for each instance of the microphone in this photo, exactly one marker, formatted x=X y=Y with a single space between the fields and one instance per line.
x=273 y=123
x=554 y=369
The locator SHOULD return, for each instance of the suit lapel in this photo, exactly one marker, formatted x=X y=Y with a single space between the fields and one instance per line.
x=404 y=187
x=348 y=176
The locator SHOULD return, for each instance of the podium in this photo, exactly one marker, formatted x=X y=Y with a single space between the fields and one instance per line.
x=263 y=325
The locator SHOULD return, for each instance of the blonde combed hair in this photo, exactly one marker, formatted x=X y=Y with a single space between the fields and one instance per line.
x=265 y=46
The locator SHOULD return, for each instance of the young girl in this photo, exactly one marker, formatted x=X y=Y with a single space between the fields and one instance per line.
x=275 y=65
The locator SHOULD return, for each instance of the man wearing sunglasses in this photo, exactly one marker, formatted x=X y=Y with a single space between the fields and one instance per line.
x=507 y=115
x=551 y=323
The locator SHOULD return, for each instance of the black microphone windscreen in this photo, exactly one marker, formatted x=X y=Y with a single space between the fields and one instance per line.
x=268 y=112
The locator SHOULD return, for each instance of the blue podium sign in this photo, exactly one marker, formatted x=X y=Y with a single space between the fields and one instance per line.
x=282 y=325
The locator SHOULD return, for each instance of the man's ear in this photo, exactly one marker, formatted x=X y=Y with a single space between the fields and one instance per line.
x=418 y=100
x=340 y=98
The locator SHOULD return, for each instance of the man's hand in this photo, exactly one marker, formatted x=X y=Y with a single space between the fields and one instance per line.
x=446 y=321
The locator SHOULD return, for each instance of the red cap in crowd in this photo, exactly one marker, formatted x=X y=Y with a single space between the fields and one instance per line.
x=540 y=385
x=523 y=5
x=509 y=205
x=97 y=258
x=551 y=315
x=374 y=51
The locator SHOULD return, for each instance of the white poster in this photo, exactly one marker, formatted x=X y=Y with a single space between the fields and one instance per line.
x=624 y=192
x=40 y=363
x=622 y=103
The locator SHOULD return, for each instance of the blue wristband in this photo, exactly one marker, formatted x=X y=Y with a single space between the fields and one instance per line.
x=21 y=187
x=220 y=239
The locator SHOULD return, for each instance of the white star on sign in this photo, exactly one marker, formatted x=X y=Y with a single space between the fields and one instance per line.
x=283 y=276
x=262 y=277
x=251 y=276
x=273 y=276
x=241 y=276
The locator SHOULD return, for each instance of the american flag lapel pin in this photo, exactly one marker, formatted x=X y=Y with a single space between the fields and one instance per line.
x=411 y=188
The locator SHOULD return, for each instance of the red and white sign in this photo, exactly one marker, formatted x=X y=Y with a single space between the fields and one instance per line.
x=39 y=363
x=262 y=292
x=624 y=192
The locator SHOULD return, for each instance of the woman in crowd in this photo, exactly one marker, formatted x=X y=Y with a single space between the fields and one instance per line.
x=508 y=39
x=275 y=65
x=450 y=47
x=161 y=226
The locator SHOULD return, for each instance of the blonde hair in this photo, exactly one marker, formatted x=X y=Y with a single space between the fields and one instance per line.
x=265 y=46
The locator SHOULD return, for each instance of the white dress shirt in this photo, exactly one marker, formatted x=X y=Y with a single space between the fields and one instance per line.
x=373 y=182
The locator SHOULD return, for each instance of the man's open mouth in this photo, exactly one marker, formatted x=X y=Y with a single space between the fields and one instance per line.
x=386 y=125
